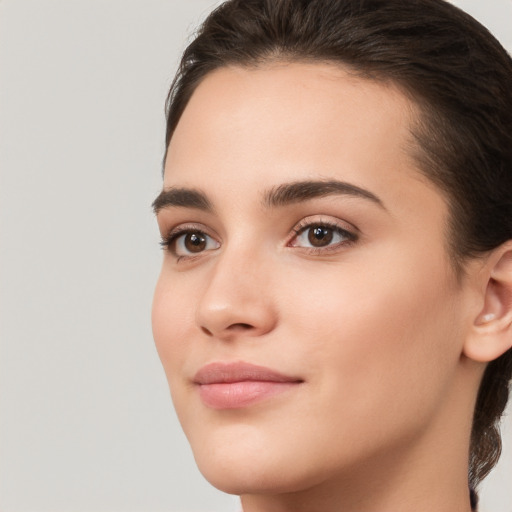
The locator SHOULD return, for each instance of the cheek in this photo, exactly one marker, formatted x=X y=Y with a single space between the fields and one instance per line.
x=172 y=317
x=389 y=330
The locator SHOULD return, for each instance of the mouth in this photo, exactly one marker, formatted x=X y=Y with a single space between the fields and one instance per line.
x=240 y=384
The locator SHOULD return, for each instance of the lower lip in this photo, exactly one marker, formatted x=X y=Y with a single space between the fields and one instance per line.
x=235 y=395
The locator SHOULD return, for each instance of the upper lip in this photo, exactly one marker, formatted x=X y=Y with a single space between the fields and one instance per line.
x=240 y=371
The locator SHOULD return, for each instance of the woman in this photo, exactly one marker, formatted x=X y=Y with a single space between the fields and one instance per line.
x=335 y=304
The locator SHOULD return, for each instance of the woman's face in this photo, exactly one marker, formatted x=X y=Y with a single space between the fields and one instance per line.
x=307 y=315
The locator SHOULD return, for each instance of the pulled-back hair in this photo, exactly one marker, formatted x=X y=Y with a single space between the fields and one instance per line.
x=449 y=66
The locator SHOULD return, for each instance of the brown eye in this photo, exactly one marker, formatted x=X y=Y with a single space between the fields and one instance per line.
x=189 y=243
x=320 y=236
x=195 y=242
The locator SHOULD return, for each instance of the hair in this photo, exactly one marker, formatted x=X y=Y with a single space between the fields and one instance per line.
x=454 y=71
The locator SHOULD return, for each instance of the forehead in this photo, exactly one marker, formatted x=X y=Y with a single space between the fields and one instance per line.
x=249 y=129
x=290 y=111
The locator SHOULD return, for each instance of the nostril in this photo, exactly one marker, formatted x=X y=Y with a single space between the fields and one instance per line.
x=231 y=328
x=240 y=327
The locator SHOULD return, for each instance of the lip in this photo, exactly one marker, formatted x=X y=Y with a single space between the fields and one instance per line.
x=234 y=385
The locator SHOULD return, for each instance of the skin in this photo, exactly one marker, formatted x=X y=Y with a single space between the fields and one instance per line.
x=375 y=326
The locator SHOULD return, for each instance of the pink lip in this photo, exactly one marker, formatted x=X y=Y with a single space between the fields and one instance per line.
x=239 y=384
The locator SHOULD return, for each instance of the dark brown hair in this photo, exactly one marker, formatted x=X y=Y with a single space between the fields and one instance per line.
x=449 y=65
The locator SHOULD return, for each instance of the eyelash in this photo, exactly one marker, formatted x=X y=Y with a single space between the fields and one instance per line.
x=305 y=224
x=168 y=242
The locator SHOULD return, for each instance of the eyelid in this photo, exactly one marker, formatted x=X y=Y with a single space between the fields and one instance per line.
x=190 y=226
x=343 y=227
x=174 y=233
x=313 y=220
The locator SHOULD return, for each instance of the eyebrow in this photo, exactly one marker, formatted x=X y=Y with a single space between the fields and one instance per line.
x=282 y=195
x=295 y=192
x=182 y=197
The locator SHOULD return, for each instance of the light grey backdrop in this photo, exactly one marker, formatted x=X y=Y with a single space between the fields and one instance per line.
x=86 y=422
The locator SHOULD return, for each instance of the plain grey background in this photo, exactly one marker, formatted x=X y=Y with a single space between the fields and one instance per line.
x=86 y=422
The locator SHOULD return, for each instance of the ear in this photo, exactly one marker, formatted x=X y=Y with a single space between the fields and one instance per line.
x=491 y=332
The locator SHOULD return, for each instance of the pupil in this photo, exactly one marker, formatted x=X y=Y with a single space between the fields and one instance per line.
x=320 y=236
x=195 y=242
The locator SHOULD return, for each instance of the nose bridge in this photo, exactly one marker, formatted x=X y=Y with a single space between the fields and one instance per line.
x=236 y=297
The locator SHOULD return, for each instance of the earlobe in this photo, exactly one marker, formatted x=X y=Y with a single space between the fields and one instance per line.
x=491 y=332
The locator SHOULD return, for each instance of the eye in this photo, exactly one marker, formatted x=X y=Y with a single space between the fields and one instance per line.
x=186 y=242
x=321 y=235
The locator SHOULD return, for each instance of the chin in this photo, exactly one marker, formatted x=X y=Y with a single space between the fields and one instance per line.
x=250 y=478
x=232 y=482
x=239 y=468
x=253 y=467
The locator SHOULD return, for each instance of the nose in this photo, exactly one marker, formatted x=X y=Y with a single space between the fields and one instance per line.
x=237 y=300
